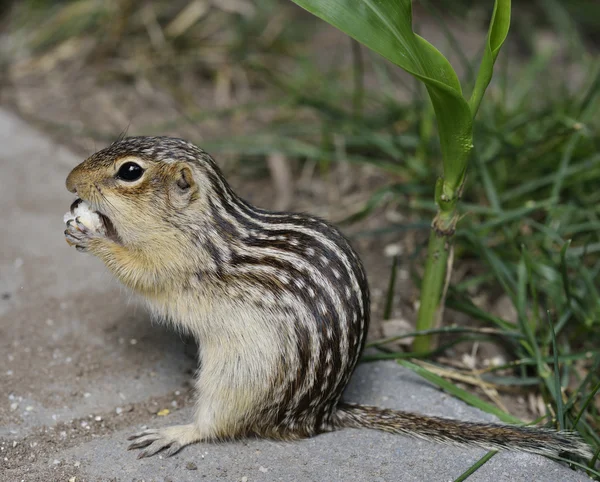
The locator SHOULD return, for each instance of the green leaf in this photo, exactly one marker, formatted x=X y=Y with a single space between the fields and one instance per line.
x=385 y=26
x=497 y=33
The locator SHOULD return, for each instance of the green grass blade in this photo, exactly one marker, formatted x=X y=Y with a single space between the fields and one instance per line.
x=563 y=270
x=588 y=469
x=584 y=382
x=564 y=165
x=588 y=400
x=592 y=463
x=476 y=466
x=389 y=299
x=467 y=307
x=560 y=412
x=465 y=396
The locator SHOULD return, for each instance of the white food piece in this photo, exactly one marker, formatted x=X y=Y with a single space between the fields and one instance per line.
x=90 y=219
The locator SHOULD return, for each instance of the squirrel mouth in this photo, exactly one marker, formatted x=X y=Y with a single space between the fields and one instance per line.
x=111 y=231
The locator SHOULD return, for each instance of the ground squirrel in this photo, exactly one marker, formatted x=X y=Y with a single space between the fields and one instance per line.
x=278 y=302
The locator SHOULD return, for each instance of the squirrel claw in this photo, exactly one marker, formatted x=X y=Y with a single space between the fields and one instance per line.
x=154 y=442
x=169 y=440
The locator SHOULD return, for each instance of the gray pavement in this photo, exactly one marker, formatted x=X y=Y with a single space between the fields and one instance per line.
x=82 y=367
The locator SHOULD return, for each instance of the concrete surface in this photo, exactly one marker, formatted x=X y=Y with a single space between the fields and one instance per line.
x=81 y=369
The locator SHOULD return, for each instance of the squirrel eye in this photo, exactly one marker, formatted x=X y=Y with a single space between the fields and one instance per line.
x=130 y=171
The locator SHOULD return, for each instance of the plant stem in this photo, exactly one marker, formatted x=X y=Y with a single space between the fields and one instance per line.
x=436 y=270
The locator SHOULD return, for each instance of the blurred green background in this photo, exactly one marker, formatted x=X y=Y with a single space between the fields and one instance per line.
x=301 y=117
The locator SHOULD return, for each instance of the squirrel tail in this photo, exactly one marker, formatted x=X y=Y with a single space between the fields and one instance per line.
x=486 y=435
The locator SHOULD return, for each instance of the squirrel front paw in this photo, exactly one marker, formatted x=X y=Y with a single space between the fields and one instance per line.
x=83 y=225
x=79 y=235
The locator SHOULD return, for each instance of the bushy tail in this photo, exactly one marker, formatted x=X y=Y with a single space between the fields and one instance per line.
x=486 y=435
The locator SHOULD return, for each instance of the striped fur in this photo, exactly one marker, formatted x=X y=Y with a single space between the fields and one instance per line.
x=279 y=302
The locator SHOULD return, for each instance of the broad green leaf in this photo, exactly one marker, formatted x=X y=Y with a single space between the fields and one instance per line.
x=385 y=26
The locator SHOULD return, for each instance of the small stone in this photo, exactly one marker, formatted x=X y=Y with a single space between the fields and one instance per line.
x=119 y=410
x=72 y=479
x=264 y=470
x=469 y=361
x=56 y=462
x=98 y=418
x=495 y=361
x=133 y=341
x=87 y=395
x=77 y=464
x=9 y=373
x=398 y=327
x=29 y=408
x=191 y=466
x=392 y=250
x=14 y=406
x=244 y=479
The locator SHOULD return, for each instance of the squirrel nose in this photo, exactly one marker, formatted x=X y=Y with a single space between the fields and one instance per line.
x=72 y=181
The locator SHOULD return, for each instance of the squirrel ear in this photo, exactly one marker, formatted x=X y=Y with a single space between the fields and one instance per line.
x=184 y=185
x=185 y=178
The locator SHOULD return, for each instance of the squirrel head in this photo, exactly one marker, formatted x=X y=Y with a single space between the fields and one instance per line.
x=146 y=188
